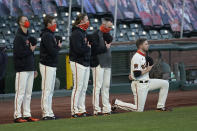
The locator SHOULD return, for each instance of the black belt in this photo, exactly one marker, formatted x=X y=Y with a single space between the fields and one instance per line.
x=143 y=81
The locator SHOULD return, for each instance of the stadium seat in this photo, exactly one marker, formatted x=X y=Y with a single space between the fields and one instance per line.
x=2 y=41
x=154 y=35
x=122 y=37
x=38 y=41
x=32 y=31
x=143 y=34
x=62 y=25
x=134 y=26
x=64 y=14
x=74 y=14
x=165 y=34
x=37 y=28
x=4 y=27
x=123 y=28
x=57 y=31
x=10 y=41
x=1 y=36
x=132 y=36
x=13 y=27
x=8 y=33
x=55 y=15
x=95 y=23
x=90 y=30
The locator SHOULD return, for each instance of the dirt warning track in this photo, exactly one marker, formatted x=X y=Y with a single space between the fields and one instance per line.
x=61 y=105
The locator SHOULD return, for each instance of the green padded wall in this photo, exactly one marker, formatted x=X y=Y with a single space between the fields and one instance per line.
x=10 y=74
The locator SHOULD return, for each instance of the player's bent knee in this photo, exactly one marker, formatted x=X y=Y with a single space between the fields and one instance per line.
x=166 y=84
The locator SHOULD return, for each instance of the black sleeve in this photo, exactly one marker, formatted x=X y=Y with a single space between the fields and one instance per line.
x=49 y=43
x=20 y=48
x=137 y=73
x=79 y=43
x=98 y=48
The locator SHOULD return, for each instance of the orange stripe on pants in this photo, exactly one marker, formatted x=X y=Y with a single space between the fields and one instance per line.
x=94 y=87
x=76 y=86
x=17 y=90
x=44 y=87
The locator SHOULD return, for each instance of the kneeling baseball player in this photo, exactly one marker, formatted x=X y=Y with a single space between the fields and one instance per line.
x=141 y=64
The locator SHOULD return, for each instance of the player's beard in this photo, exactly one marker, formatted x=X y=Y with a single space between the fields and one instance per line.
x=145 y=50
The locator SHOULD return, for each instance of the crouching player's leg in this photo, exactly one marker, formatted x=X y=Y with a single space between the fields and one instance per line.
x=140 y=91
x=163 y=85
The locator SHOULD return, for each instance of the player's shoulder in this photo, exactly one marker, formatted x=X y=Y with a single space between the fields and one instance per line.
x=136 y=56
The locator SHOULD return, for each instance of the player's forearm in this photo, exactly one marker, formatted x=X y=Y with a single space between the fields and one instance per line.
x=138 y=73
x=144 y=72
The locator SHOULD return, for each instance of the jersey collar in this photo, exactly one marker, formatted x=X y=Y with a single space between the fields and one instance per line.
x=139 y=52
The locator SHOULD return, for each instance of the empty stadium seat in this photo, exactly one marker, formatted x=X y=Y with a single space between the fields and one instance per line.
x=10 y=41
x=32 y=31
x=122 y=37
x=123 y=28
x=74 y=14
x=144 y=34
x=134 y=26
x=90 y=30
x=95 y=23
x=154 y=35
x=132 y=36
x=1 y=36
x=38 y=41
x=2 y=41
x=165 y=34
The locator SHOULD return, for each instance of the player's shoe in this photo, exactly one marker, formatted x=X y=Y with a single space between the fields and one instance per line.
x=107 y=114
x=55 y=117
x=113 y=105
x=98 y=114
x=31 y=119
x=48 y=118
x=76 y=115
x=86 y=114
x=20 y=120
x=164 y=109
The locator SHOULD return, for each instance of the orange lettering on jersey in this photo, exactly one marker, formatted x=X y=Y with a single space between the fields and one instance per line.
x=135 y=66
x=143 y=66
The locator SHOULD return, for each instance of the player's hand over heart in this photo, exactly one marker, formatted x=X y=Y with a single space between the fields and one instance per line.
x=107 y=45
x=148 y=68
x=130 y=77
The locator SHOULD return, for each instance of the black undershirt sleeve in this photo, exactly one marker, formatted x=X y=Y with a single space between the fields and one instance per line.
x=137 y=73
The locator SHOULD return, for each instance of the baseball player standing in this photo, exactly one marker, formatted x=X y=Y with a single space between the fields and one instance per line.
x=141 y=83
x=80 y=51
x=49 y=48
x=101 y=67
x=25 y=70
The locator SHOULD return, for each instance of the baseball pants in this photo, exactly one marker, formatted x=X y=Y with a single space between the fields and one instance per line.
x=48 y=83
x=23 y=86
x=140 y=91
x=81 y=77
x=101 y=82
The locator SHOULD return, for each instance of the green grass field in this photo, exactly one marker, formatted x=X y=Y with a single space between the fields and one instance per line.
x=180 y=119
